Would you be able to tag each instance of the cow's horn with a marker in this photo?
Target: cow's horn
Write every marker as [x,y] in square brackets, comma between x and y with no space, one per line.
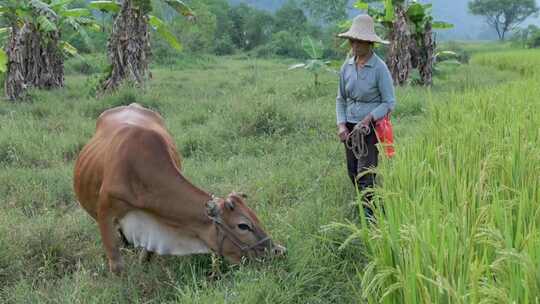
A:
[230,204]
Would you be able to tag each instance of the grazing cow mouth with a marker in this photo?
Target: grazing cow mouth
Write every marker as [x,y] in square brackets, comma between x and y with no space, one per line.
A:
[260,247]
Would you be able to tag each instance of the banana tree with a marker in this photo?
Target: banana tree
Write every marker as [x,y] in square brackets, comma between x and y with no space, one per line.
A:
[409,27]
[392,15]
[315,65]
[423,42]
[34,49]
[128,47]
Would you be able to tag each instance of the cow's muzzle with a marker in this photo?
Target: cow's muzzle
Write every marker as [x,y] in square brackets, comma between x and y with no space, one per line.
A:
[279,251]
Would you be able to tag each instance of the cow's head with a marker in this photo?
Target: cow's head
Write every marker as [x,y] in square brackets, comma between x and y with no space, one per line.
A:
[239,232]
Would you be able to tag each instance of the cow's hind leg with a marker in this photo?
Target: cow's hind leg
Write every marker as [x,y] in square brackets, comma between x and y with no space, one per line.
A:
[106,215]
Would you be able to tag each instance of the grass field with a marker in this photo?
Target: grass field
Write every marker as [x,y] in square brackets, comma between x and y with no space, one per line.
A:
[461,196]
[525,62]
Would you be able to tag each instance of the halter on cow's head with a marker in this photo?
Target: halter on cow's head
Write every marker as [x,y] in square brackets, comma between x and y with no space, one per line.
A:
[239,232]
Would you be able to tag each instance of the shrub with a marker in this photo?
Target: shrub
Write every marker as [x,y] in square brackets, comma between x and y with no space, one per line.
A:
[534,37]
[461,54]
[86,64]
[224,46]
[268,119]
[265,51]
[94,42]
[286,44]
[163,53]
[528,37]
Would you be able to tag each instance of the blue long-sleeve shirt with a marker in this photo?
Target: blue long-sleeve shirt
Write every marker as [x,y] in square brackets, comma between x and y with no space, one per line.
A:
[364,91]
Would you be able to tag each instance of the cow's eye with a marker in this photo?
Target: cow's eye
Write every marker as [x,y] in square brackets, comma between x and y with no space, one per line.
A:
[244,227]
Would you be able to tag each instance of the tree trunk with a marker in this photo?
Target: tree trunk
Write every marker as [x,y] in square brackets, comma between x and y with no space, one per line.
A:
[399,57]
[427,58]
[44,59]
[34,59]
[15,85]
[128,47]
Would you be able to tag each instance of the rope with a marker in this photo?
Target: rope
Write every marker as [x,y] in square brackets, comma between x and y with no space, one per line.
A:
[225,232]
[356,141]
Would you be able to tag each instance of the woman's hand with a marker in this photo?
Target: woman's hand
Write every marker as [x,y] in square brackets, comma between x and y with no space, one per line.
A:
[365,122]
[343,132]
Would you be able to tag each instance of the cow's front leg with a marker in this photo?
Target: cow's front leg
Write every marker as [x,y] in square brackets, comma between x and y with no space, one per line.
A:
[109,235]
[216,267]
[145,256]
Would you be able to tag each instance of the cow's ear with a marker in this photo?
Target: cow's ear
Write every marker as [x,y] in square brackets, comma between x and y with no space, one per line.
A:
[240,195]
[212,208]
[229,204]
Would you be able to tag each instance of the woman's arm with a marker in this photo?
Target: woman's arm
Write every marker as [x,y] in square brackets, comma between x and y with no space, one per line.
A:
[386,89]
[341,108]
[341,105]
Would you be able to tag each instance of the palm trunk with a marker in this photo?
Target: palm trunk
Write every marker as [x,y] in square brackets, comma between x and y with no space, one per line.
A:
[128,47]
[33,60]
[399,57]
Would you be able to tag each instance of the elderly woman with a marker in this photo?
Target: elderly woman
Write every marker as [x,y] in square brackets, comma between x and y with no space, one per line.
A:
[365,95]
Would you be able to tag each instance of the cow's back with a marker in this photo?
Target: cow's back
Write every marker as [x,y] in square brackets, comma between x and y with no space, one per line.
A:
[114,128]
[133,114]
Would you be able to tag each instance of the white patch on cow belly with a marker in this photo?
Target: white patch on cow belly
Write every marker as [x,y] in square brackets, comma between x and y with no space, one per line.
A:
[144,230]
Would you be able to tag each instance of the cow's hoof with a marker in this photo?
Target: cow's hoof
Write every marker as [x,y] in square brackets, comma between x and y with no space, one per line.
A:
[116,267]
[214,275]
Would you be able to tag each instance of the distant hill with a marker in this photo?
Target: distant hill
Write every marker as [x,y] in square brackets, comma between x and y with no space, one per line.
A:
[467,26]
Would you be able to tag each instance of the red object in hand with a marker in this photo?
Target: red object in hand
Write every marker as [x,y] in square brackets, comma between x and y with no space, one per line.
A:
[385,134]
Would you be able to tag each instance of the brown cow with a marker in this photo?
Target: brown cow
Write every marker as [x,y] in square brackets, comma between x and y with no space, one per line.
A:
[128,179]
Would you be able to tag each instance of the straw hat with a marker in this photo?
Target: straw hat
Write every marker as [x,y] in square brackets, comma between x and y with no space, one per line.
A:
[363,28]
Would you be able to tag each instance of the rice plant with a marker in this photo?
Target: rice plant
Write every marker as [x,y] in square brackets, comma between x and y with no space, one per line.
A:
[461,201]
